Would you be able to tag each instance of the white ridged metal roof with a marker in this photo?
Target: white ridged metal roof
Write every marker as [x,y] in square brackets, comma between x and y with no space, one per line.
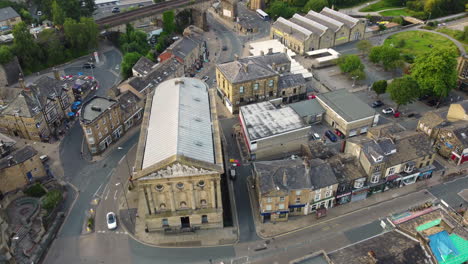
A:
[180,122]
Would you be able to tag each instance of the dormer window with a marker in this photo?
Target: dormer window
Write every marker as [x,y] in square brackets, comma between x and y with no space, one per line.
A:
[376,158]
[409,167]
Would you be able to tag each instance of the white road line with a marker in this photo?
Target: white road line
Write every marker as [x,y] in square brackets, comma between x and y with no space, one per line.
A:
[108,191]
[97,190]
[120,161]
[115,194]
[110,173]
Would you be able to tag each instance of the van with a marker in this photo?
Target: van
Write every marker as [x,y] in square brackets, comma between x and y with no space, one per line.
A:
[232,173]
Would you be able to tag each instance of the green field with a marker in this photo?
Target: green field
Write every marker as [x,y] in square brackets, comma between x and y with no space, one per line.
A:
[397,12]
[381,5]
[417,42]
[456,34]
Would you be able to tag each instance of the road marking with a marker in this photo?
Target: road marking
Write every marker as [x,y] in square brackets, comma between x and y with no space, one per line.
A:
[117,184]
[110,173]
[115,194]
[107,194]
[120,161]
[105,188]
[97,190]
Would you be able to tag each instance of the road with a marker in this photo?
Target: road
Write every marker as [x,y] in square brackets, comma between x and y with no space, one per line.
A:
[104,10]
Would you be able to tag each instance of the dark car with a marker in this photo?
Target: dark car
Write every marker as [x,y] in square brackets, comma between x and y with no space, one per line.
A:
[89,65]
[377,103]
[331,136]
[141,5]
[115,10]
[432,102]
[225,48]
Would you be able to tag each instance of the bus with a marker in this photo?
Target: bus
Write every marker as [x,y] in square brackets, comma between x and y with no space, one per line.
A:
[262,14]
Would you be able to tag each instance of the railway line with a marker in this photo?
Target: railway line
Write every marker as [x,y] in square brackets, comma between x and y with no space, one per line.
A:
[125,17]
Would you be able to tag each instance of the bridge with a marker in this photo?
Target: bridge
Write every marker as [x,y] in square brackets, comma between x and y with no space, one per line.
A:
[118,21]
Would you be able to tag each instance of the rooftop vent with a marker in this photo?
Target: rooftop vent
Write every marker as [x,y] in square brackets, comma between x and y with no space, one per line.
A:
[196,99]
[198,143]
[197,119]
[96,108]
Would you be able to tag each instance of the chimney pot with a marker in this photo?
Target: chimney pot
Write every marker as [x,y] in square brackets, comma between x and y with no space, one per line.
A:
[56,74]
[285,179]
[236,57]
[262,53]
[270,51]
[285,50]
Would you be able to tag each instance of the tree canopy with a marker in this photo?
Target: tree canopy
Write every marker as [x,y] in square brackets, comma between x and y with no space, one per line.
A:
[128,61]
[388,56]
[168,21]
[24,46]
[379,87]
[81,35]
[435,72]
[279,8]
[5,54]
[315,5]
[403,90]
[58,16]
[352,65]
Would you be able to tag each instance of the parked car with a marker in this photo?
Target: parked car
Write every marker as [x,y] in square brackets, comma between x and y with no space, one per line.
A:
[111,221]
[316,136]
[205,78]
[377,103]
[39,13]
[88,65]
[232,173]
[141,5]
[44,158]
[331,136]
[339,133]
[225,48]
[388,111]
[115,10]
[396,114]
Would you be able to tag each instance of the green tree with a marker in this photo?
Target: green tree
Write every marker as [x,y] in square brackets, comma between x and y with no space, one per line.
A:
[379,87]
[161,44]
[388,56]
[128,61]
[279,8]
[58,16]
[24,46]
[134,40]
[364,46]
[352,65]
[168,21]
[81,36]
[51,200]
[53,48]
[5,54]
[87,8]
[315,5]
[403,90]
[26,16]
[436,71]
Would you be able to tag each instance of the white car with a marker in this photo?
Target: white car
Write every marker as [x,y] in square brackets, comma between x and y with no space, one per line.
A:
[316,136]
[388,110]
[111,221]
[39,13]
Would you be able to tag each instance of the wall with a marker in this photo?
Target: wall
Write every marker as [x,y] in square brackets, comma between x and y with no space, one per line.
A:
[24,127]
[282,145]
[341,36]
[15,177]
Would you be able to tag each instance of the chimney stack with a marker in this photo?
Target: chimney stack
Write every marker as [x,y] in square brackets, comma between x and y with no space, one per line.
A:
[246,67]
[372,257]
[236,57]
[270,51]
[56,74]
[21,82]
[285,50]
[273,66]
[262,53]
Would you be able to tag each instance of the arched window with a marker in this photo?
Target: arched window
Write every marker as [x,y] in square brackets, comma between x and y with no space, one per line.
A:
[162,206]
[159,187]
[183,204]
[180,185]
[201,183]
[203,202]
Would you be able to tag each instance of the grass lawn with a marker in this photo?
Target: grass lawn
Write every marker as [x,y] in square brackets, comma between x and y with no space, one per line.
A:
[456,34]
[381,5]
[397,12]
[417,42]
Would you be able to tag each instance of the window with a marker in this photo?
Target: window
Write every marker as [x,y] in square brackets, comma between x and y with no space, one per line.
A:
[99,135]
[409,167]
[89,131]
[203,202]
[281,206]
[241,89]
[104,121]
[299,209]
[317,196]
[204,219]
[271,83]
[391,171]
[294,90]
[328,193]
[330,187]
[269,200]
[282,216]
[91,140]
[375,179]
[106,130]
[255,86]
[428,162]
[298,192]
[377,168]
[183,204]
[359,183]
[165,222]
[241,99]
[298,199]
[291,210]
[283,93]
[110,116]
[162,206]
[282,199]
[180,185]
[270,93]
[159,187]
[268,207]
[201,183]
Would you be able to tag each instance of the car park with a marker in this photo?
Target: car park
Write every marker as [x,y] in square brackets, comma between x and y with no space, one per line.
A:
[388,111]
[377,103]
[331,136]
[115,10]
[111,221]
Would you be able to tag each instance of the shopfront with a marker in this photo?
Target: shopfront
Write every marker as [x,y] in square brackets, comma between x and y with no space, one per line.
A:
[376,188]
[359,194]
[275,216]
[298,209]
[426,172]
[343,198]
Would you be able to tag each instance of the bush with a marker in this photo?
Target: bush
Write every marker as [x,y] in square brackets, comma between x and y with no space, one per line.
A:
[409,58]
[35,191]
[51,200]
[400,44]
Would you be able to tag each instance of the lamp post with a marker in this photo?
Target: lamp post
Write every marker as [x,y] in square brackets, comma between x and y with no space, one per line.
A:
[354,80]
[123,189]
[92,65]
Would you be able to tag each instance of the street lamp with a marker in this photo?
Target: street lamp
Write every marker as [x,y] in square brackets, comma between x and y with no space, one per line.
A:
[354,80]
[123,189]
[92,66]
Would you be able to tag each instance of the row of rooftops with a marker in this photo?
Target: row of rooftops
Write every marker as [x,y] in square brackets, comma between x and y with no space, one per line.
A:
[153,74]
[315,23]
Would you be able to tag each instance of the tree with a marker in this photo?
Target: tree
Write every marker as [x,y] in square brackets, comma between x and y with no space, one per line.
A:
[315,5]
[58,16]
[398,20]
[436,71]
[134,40]
[5,54]
[128,61]
[87,8]
[52,47]
[352,65]
[26,16]
[379,87]
[81,35]
[279,8]
[403,90]
[388,56]
[24,46]
[168,21]
[364,46]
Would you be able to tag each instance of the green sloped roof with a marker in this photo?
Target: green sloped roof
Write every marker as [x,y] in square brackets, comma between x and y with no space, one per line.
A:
[428,225]
[462,245]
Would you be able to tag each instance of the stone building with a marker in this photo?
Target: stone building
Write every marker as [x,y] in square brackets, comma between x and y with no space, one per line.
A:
[293,187]
[20,168]
[131,109]
[292,88]
[9,18]
[187,50]
[250,79]
[179,159]
[347,113]
[462,70]
[228,9]
[142,67]
[317,31]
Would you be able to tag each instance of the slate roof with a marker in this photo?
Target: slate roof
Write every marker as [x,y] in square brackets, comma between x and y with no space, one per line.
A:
[311,25]
[385,130]
[12,71]
[184,46]
[290,80]
[412,146]
[346,169]
[292,29]
[7,13]
[307,108]
[373,149]
[24,105]
[389,248]
[347,105]
[17,157]
[157,75]
[281,175]
[88,114]
[128,102]
[462,134]
[324,20]
[252,68]
[321,174]
[47,88]
[343,18]
[143,65]
[433,119]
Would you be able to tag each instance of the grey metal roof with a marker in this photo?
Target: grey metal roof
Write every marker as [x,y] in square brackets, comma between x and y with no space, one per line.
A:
[179,122]
[321,174]
[143,65]
[93,108]
[347,105]
[252,68]
[307,108]
[7,13]
[292,29]
[18,156]
[311,25]
[264,119]
[324,20]
[345,19]
[290,80]
[184,46]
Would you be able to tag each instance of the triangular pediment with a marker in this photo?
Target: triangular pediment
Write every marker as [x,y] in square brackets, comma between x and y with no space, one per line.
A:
[178,169]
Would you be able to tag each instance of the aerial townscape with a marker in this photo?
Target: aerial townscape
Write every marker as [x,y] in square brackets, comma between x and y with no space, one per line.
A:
[234,131]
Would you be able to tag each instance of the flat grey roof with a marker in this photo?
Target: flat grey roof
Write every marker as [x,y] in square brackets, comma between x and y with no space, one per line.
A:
[347,105]
[307,108]
[88,114]
[264,120]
